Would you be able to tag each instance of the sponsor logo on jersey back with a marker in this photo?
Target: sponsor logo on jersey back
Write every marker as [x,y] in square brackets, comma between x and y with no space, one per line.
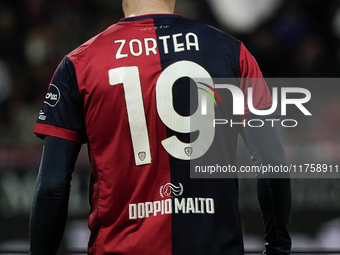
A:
[170,190]
[171,203]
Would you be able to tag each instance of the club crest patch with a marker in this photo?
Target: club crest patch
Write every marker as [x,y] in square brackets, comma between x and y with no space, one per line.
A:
[188,151]
[142,155]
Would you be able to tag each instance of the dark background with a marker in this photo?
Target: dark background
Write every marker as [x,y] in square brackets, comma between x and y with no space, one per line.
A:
[299,39]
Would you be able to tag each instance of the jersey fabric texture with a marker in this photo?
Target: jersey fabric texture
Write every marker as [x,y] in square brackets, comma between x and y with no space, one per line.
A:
[104,93]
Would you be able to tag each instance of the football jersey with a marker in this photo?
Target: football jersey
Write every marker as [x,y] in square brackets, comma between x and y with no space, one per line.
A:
[127,93]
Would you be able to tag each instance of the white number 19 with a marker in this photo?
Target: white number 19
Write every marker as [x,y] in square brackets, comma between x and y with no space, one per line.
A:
[130,78]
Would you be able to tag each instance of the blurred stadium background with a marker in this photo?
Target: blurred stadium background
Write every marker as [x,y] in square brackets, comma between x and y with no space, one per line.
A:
[289,38]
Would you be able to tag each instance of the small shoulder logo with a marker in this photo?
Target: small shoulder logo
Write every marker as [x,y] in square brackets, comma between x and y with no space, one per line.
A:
[142,155]
[41,115]
[188,151]
[52,96]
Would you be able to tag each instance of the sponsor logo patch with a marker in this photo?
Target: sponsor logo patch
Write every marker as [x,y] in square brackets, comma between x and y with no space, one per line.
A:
[170,190]
[52,96]
[41,115]
[171,203]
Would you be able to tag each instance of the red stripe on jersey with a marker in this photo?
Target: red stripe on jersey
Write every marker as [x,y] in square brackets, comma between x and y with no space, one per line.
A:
[43,130]
[251,76]
[120,185]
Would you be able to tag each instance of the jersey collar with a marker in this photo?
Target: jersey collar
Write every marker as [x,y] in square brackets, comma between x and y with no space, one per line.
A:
[149,16]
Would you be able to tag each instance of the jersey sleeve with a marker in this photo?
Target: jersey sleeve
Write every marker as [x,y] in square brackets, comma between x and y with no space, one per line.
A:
[251,76]
[62,112]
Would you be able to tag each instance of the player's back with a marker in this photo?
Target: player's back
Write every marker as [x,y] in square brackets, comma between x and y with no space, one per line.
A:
[135,106]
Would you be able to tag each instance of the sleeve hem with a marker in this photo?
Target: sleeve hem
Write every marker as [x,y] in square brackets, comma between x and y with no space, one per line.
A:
[43,130]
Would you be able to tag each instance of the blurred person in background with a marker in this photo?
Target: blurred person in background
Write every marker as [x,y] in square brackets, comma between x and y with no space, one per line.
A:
[117,92]
[9,57]
[5,92]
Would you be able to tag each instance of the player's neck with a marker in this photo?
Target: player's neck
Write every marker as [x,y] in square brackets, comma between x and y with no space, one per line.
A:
[151,8]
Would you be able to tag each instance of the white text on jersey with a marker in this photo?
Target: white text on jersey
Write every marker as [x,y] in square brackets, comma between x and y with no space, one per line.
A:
[169,206]
[149,46]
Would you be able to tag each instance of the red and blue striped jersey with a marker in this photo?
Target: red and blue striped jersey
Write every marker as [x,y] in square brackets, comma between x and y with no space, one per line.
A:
[125,92]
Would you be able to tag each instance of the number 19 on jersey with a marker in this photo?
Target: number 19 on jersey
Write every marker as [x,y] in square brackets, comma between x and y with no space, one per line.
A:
[129,76]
